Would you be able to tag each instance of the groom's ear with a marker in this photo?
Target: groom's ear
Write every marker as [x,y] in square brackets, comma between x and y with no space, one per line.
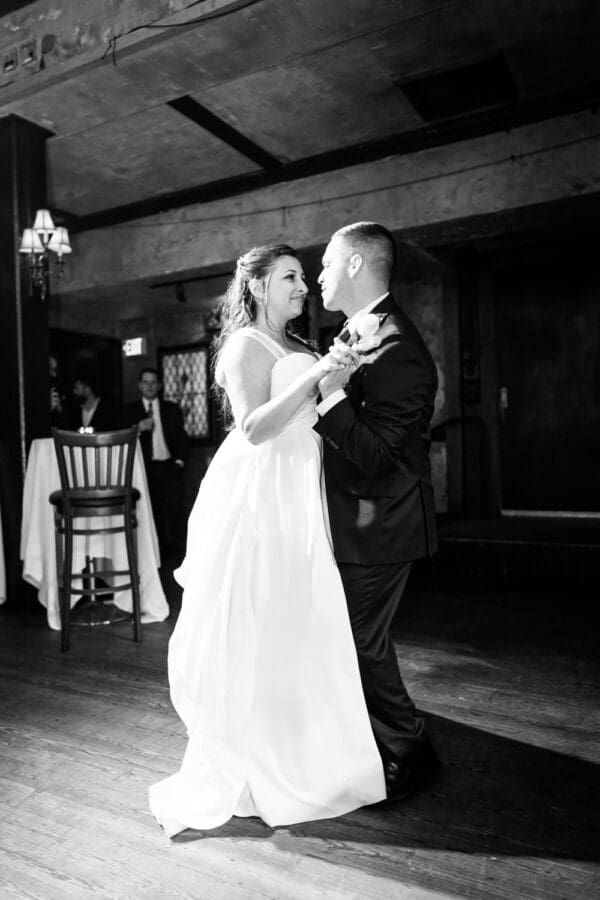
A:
[355,264]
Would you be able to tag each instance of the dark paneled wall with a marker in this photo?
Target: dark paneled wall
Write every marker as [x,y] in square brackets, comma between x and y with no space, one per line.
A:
[24,382]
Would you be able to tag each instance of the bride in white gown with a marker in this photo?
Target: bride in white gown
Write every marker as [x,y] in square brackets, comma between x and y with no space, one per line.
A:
[262,665]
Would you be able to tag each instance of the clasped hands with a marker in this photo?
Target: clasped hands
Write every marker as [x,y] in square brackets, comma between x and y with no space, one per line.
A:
[338,365]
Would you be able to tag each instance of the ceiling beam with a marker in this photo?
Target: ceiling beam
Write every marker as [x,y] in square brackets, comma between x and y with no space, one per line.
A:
[207,120]
[478,124]
[100,43]
[209,276]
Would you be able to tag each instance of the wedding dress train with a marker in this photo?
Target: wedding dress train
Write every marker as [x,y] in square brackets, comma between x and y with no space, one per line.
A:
[262,664]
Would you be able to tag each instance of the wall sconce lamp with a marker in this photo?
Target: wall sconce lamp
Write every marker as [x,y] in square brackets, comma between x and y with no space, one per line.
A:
[37,242]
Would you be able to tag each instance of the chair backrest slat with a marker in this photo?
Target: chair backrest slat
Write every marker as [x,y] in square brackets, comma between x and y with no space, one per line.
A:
[73,467]
[120,465]
[86,474]
[109,469]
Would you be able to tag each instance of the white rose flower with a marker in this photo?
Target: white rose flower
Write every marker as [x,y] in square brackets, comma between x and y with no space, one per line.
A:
[369,324]
[368,339]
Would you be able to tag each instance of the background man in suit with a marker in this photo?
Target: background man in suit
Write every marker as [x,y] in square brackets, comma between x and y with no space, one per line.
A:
[89,409]
[377,474]
[165,447]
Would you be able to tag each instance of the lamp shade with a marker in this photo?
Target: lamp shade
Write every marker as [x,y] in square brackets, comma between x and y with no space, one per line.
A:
[59,242]
[30,242]
[43,222]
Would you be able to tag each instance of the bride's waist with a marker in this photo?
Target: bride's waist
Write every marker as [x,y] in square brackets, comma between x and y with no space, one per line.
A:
[305,419]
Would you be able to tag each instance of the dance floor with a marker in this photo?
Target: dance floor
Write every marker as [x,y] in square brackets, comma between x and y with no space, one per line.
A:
[508,681]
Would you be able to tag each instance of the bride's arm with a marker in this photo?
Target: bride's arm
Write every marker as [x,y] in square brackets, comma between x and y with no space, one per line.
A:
[247,367]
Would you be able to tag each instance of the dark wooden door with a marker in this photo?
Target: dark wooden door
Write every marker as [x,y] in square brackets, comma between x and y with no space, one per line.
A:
[548,346]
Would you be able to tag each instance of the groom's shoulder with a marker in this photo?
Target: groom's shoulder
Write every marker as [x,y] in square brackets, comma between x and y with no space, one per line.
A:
[401,341]
[394,331]
[399,323]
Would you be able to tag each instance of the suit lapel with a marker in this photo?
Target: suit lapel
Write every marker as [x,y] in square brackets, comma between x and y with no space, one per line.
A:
[388,305]
[145,437]
[164,415]
[383,309]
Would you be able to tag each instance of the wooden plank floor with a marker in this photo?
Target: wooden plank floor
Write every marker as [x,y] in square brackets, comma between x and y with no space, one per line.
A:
[510,686]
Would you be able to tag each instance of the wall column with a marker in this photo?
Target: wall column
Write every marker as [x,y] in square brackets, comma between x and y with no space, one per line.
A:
[24,380]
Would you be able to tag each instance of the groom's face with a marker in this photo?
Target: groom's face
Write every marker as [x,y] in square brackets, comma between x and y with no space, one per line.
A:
[335,278]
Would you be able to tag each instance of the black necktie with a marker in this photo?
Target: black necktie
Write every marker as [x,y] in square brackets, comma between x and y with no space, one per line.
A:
[343,333]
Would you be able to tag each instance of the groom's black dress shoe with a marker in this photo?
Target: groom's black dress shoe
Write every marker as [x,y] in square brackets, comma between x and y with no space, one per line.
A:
[405,777]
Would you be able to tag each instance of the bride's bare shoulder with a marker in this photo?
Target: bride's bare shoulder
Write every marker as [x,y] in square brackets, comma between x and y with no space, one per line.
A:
[244,341]
[243,351]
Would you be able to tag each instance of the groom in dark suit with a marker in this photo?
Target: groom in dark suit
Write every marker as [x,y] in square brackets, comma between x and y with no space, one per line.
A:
[164,446]
[376,442]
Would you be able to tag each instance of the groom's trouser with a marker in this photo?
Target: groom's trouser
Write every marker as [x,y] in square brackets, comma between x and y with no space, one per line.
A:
[373,594]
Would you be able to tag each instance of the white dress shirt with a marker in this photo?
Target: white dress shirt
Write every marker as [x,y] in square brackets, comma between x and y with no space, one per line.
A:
[88,414]
[352,324]
[160,451]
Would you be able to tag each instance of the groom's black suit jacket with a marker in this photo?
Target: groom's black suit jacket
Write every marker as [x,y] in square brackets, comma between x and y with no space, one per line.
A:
[376,452]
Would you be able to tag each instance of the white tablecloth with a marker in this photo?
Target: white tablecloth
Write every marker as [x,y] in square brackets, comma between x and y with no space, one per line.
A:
[38,540]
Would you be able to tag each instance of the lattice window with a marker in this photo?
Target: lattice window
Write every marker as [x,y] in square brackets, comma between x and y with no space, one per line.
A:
[185,381]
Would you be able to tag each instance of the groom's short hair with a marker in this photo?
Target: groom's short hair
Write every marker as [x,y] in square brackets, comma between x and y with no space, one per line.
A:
[374,243]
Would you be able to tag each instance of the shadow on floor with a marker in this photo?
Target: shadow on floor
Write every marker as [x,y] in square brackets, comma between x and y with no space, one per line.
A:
[496,796]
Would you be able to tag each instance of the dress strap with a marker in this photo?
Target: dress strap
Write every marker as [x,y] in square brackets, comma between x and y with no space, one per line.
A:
[248,331]
[264,339]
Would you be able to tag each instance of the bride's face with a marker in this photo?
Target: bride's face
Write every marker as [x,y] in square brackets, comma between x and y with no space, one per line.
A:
[286,290]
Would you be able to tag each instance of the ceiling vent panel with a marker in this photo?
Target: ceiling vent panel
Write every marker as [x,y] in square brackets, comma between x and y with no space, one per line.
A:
[463,90]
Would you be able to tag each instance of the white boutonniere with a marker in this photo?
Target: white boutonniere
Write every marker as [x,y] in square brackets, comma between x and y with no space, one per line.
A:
[365,339]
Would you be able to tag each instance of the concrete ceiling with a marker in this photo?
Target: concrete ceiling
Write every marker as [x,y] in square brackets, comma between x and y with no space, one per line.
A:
[297,79]
[295,82]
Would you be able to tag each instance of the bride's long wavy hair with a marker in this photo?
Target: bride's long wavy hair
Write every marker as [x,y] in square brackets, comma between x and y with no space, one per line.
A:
[238,306]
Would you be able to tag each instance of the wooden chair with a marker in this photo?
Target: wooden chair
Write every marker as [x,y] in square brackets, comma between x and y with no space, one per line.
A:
[96,473]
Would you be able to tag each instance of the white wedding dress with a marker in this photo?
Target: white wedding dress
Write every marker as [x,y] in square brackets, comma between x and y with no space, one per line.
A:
[262,664]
